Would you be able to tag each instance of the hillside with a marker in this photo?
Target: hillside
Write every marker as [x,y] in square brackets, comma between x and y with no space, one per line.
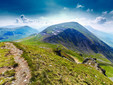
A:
[87,46]
[75,37]
[55,29]
[14,33]
[55,56]
[48,67]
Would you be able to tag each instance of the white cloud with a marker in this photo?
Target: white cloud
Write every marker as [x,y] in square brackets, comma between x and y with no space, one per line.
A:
[89,10]
[111,12]
[104,13]
[100,20]
[24,19]
[99,23]
[65,8]
[79,6]
[106,27]
[17,20]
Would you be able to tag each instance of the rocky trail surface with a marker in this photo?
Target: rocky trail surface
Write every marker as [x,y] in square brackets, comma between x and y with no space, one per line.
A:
[22,75]
[2,70]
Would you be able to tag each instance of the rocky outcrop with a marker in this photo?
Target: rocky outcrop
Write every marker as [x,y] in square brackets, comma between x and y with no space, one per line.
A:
[92,62]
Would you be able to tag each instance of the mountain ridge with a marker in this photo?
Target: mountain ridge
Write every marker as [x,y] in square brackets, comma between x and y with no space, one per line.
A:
[96,44]
[15,33]
[48,57]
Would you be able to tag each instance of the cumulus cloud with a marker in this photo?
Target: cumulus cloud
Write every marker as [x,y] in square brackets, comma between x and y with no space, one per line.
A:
[100,20]
[23,19]
[79,6]
[89,10]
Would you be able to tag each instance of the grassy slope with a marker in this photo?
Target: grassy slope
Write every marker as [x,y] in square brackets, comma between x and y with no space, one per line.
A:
[102,60]
[6,61]
[104,63]
[49,68]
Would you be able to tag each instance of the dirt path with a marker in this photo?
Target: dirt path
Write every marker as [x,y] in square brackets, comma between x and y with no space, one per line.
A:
[2,70]
[22,71]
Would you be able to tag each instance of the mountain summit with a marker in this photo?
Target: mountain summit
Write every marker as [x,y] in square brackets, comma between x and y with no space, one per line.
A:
[76,37]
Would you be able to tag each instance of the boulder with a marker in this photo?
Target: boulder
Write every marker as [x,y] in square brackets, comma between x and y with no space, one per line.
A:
[92,62]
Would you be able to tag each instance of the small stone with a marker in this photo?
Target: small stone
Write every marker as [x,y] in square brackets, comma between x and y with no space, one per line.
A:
[50,65]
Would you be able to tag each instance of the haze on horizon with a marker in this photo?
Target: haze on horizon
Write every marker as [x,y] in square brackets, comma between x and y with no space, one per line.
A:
[41,13]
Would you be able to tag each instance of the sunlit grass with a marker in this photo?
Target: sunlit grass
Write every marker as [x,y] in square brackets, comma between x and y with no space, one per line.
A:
[49,68]
[6,59]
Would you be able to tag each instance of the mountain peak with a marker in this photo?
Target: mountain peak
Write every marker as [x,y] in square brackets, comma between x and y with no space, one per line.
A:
[74,36]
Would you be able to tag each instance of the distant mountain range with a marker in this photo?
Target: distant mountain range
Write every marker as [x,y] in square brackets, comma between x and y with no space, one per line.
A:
[10,33]
[106,37]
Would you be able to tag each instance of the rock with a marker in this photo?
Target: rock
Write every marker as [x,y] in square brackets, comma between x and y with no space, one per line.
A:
[92,62]
[58,51]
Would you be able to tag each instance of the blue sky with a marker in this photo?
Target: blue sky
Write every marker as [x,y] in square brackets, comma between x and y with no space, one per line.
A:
[32,7]
[96,13]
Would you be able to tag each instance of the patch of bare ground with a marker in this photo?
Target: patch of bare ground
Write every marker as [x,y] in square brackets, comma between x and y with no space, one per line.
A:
[2,70]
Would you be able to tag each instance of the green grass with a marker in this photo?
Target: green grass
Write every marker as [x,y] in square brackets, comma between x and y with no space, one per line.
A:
[109,69]
[7,77]
[6,59]
[49,68]
[9,73]
[101,59]
[103,62]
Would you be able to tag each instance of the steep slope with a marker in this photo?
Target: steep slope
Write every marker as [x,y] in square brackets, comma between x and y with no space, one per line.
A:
[55,29]
[80,40]
[14,33]
[76,37]
[71,39]
[50,68]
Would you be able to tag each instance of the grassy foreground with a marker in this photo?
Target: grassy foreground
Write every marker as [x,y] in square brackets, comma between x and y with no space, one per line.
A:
[6,62]
[47,67]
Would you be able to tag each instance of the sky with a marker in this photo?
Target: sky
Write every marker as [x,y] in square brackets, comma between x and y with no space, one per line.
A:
[42,13]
